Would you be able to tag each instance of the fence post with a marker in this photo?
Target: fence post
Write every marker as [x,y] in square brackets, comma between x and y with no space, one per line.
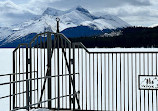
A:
[73,77]
[30,72]
[10,92]
[58,71]
[70,75]
[27,82]
[13,80]
[49,45]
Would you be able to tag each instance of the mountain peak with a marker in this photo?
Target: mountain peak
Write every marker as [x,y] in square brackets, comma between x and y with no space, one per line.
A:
[81,9]
[52,11]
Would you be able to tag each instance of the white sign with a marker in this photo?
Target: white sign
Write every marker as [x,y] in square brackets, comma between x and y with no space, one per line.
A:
[147,82]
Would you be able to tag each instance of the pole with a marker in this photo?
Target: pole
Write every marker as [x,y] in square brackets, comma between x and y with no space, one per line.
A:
[49,44]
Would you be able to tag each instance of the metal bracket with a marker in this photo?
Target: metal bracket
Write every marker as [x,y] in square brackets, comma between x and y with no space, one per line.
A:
[29,61]
[71,61]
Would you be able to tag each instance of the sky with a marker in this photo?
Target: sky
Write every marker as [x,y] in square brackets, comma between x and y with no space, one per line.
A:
[134,12]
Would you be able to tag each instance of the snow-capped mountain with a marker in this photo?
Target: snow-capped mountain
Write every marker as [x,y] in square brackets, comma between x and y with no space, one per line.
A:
[75,22]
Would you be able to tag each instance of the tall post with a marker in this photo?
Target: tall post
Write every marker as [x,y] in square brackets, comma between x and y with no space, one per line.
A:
[30,63]
[57,31]
[58,74]
[49,45]
[69,75]
[10,93]
[74,77]
[13,80]
[27,81]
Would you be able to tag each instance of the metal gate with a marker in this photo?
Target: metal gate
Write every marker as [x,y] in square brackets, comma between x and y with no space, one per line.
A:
[49,81]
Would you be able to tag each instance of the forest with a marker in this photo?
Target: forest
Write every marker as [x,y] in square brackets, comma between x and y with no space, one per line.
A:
[130,37]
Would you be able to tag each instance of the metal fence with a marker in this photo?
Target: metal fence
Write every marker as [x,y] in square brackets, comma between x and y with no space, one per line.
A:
[109,80]
[61,75]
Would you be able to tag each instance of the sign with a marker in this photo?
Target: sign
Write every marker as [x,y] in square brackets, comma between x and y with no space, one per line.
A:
[148,82]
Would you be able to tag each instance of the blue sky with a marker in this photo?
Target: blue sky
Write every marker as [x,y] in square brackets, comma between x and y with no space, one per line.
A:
[134,12]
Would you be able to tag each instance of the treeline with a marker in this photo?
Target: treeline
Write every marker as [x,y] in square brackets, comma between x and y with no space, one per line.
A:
[130,37]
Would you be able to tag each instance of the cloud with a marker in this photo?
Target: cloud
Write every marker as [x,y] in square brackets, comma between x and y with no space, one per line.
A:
[38,6]
[134,15]
[93,5]
[9,7]
[11,13]
[135,12]
[129,10]
[141,20]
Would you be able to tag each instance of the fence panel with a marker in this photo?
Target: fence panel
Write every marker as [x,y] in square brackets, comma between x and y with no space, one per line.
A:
[110,80]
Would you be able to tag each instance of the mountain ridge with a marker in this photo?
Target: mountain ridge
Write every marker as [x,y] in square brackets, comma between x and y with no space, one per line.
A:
[74,19]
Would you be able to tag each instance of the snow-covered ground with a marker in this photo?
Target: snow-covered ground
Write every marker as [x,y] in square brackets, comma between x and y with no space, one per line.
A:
[5,67]
[142,68]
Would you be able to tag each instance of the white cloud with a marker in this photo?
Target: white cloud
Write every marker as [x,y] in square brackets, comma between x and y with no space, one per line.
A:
[134,15]
[11,13]
[38,6]
[135,12]
[9,7]
[154,2]
[140,20]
